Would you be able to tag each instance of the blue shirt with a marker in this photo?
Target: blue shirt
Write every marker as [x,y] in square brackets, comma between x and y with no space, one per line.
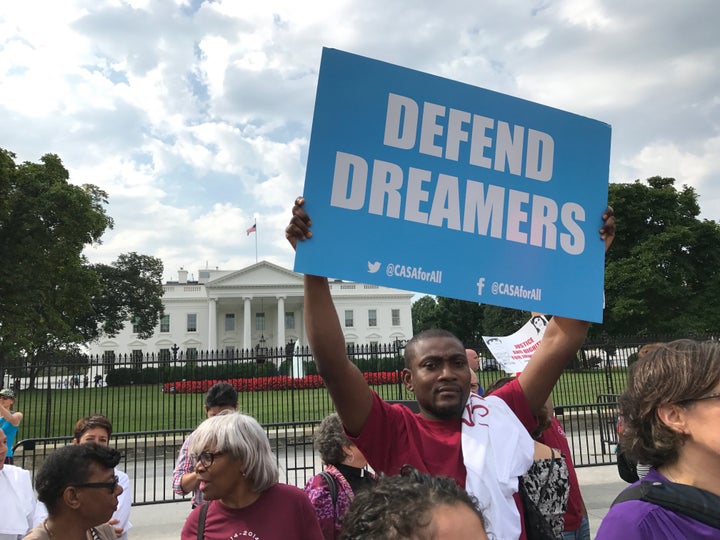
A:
[10,432]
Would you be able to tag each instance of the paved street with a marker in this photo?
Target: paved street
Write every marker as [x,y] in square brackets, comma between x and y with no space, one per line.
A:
[599,485]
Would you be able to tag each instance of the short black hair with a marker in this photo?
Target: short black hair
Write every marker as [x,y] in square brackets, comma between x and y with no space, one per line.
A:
[68,466]
[221,394]
[401,506]
[427,334]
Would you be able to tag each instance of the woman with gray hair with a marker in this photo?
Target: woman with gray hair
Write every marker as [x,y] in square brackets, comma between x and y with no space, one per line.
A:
[671,410]
[343,476]
[238,475]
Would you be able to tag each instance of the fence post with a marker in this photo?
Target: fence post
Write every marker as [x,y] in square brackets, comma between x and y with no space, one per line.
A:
[48,408]
[399,345]
[174,350]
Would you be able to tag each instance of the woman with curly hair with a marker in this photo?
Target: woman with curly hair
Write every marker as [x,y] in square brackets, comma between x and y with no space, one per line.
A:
[344,475]
[671,410]
[414,505]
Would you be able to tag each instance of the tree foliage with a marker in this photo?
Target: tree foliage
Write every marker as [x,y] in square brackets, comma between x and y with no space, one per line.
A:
[51,298]
[663,270]
[502,321]
[462,318]
[424,314]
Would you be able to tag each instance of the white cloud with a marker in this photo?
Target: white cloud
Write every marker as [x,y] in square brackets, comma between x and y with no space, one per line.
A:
[195,116]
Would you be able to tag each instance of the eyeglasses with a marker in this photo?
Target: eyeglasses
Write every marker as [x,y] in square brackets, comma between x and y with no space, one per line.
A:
[207,458]
[714,395]
[108,485]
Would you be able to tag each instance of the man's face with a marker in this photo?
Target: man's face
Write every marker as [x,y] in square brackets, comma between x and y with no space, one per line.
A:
[7,402]
[473,359]
[474,382]
[439,377]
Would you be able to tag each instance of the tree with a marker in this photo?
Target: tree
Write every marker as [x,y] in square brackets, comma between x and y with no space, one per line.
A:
[502,321]
[131,290]
[462,318]
[51,298]
[663,270]
[424,314]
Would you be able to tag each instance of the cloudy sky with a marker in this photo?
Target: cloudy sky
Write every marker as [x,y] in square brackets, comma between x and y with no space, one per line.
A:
[195,115]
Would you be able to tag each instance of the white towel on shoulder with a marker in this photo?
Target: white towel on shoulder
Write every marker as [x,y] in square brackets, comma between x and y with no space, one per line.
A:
[497,449]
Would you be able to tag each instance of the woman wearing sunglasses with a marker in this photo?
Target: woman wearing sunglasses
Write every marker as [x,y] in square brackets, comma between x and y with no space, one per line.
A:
[671,411]
[77,484]
[238,475]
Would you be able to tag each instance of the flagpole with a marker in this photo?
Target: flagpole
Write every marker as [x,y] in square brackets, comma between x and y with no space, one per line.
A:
[256,235]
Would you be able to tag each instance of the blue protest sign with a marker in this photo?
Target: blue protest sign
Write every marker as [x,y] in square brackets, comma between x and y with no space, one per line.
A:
[430,185]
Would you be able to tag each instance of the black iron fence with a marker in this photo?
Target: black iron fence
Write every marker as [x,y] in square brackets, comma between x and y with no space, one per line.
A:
[154,402]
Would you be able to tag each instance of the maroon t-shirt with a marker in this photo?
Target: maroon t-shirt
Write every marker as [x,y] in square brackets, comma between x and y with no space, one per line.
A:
[282,511]
[394,436]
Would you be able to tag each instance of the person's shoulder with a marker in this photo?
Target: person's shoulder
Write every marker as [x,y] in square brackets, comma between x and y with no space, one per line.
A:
[637,520]
[288,489]
[37,533]
[105,532]
[16,473]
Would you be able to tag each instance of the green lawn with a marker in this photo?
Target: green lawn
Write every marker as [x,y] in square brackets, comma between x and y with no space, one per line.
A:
[53,413]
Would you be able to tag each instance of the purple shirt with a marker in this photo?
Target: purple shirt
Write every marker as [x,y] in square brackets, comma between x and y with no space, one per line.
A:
[640,520]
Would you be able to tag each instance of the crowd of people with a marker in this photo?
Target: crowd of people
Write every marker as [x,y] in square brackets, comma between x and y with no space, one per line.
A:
[471,464]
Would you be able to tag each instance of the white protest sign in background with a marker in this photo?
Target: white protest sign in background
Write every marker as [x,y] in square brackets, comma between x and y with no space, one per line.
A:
[513,352]
[425,184]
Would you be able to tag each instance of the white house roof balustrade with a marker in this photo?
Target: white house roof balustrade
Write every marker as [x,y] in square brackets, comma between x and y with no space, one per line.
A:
[235,309]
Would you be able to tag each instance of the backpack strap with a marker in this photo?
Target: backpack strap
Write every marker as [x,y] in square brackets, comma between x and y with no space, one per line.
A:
[330,479]
[201,521]
[699,504]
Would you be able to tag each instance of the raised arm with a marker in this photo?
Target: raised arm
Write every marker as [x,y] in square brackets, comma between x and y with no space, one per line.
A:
[347,386]
[561,342]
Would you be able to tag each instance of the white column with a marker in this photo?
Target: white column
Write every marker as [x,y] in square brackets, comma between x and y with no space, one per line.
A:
[281,321]
[212,324]
[247,321]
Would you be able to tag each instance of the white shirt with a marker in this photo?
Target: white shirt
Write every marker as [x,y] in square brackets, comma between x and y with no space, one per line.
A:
[17,500]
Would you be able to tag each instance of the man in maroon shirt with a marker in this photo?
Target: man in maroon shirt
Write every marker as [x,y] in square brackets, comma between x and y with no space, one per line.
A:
[436,371]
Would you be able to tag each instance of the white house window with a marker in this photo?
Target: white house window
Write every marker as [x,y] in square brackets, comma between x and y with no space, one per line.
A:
[396,317]
[164,356]
[136,357]
[191,353]
[349,321]
[372,317]
[136,328]
[165,324]
[289,320]
[192,322]
[229,322]
[108,359]
[260,322]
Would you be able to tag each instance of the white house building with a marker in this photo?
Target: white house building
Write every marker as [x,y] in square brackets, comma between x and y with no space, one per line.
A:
[262,305]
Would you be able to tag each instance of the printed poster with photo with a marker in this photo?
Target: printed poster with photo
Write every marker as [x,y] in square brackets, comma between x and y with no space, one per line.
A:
[514,351]
[430,185]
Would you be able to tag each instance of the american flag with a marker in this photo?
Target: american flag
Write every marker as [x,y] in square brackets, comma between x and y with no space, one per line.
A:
[252,229]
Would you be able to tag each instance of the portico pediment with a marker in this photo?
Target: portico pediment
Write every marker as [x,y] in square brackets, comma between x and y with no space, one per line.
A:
[260,275]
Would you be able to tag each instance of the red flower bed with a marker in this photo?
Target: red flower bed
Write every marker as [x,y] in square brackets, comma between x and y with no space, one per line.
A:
[280,382]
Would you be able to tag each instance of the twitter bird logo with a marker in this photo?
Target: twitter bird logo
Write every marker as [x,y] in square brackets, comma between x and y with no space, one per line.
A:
[373,267]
